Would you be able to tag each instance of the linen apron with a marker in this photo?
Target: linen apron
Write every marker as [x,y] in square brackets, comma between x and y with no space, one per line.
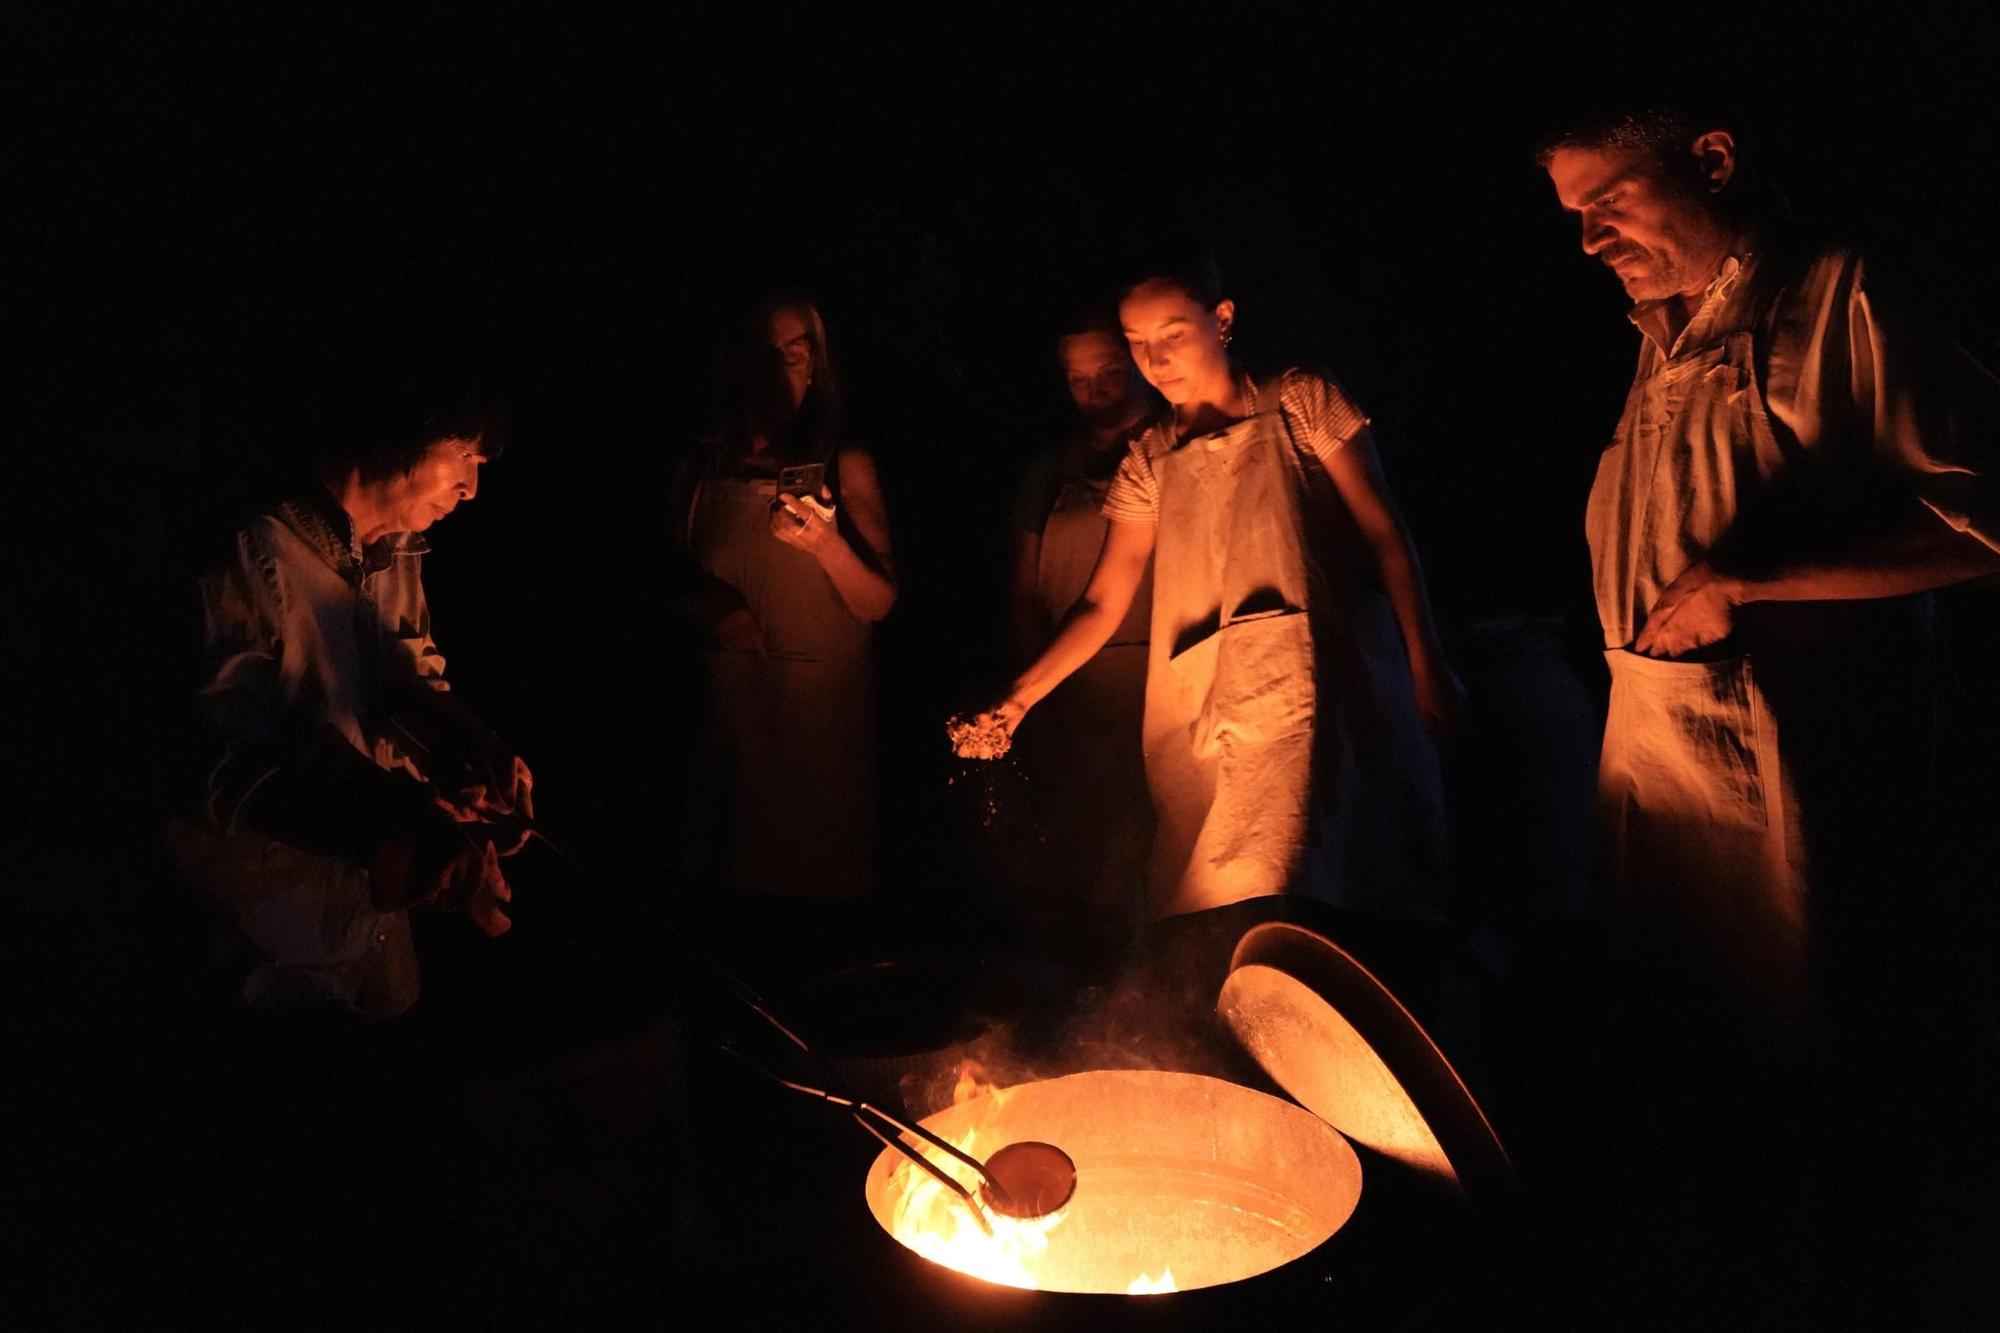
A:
[1700,824]
[1282,743]
[1093,798]
[796,726]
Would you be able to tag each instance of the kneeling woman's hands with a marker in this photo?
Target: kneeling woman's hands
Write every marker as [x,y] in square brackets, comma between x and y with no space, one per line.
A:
[436,861]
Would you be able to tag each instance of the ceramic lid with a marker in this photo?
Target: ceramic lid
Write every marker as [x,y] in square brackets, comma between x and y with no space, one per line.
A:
[1336,1039]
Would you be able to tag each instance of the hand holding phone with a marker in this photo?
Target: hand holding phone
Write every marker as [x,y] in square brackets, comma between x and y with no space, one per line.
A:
[808,520]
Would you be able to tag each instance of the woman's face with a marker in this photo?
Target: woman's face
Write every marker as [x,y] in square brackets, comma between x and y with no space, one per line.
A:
[446,477]
[792,340]
[1177,342]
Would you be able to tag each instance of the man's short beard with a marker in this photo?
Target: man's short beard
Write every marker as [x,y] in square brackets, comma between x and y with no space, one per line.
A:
[1664,274]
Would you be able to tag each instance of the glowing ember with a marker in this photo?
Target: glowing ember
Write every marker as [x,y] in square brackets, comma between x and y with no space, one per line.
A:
[1182,1182]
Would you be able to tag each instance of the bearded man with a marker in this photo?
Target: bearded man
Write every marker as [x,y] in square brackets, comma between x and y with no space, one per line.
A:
[1799,460]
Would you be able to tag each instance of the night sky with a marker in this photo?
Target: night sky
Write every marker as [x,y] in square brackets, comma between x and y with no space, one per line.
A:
[209,211]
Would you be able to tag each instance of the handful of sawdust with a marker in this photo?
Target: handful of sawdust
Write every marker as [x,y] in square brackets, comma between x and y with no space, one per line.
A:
[973,739]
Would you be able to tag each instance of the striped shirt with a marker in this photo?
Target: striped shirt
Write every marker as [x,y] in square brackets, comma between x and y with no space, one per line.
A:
[1320,416]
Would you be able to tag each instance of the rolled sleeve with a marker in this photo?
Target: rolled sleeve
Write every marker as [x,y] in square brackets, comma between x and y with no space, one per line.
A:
[1319,412]
[1932,412]
[1134,496]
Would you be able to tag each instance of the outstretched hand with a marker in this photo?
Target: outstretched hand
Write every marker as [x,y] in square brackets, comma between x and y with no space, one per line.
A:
[987,734]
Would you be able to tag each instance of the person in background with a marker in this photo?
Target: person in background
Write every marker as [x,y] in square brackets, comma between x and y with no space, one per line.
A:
[342,783]
[1090,784]
[785,566]
[1293,665]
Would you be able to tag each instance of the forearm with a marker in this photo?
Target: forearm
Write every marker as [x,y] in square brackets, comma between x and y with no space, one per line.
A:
[1913,559]
[1027,629]
[331,799]
[1403,581]
[868,592]
[448,743]
[1086,629]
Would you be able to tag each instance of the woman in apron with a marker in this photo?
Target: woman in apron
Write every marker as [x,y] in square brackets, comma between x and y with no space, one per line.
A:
[788,566]
[1293,668]
[1094,818]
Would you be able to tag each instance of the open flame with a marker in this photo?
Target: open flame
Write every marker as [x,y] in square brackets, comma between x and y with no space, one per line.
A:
[1183,1182]
[937,1224]
[971,1082]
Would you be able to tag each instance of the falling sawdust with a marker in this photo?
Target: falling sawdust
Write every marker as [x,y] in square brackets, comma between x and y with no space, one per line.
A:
[984,744]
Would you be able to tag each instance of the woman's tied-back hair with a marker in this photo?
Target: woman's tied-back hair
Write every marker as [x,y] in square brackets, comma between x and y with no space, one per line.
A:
[1188,268]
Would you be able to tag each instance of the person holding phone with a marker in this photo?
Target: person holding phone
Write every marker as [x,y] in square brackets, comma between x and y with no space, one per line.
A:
[785,565]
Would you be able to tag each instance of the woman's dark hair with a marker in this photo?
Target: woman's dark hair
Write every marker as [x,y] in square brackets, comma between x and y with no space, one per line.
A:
[1190,270]
[754,396]
[386,422]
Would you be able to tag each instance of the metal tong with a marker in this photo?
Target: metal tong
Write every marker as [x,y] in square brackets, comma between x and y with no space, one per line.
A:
[873,1118]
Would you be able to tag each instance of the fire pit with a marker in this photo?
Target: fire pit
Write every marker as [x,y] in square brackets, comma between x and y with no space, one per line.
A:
[1183,1181]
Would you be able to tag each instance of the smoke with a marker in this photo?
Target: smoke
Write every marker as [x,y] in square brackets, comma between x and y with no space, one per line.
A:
[1156,1011]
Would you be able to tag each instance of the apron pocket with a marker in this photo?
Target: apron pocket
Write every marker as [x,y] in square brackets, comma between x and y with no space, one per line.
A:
[1263,689]
[1690,739]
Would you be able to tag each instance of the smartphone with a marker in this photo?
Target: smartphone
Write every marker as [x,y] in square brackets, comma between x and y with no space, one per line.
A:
[802,479]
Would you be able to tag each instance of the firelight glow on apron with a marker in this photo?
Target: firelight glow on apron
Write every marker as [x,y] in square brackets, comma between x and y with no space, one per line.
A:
[798,724]
[1282,743]
[1701,832]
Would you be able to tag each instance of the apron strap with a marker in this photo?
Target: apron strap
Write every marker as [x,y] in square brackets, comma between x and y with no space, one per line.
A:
[1270,398]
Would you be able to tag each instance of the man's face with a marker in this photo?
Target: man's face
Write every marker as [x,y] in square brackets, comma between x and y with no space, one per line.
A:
[1100,378]
[793,342]
[1656,229]
[447,476]
[1176,342]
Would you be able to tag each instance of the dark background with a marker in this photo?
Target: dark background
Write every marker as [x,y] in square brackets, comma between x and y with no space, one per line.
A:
[215,209]
[211,210]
